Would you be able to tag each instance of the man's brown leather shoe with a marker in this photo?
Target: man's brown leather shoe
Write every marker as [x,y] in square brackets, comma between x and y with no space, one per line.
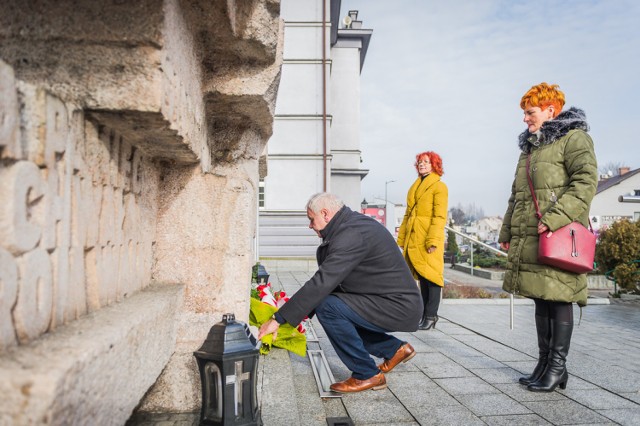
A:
[376,382]
[403,354]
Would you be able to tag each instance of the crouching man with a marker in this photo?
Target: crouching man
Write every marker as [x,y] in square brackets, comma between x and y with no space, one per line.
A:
[362,290]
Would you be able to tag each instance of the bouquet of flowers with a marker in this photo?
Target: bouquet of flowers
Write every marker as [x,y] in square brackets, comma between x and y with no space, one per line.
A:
[264,303]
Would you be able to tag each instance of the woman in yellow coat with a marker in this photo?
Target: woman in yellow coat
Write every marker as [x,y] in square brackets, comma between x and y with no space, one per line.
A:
[421,235]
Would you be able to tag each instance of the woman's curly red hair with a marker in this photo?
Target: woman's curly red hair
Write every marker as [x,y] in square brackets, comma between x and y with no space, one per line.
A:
[436,162]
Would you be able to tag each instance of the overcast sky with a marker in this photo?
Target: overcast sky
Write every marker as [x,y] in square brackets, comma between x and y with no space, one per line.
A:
[448,76]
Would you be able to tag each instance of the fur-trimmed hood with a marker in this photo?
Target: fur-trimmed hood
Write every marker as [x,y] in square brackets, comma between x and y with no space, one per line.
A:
[552,130]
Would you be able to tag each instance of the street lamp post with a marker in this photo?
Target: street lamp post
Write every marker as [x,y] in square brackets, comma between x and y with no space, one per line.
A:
[385,193]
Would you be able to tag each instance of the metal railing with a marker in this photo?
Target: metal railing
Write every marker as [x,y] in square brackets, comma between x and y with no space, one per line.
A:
[474,241]
[491,249]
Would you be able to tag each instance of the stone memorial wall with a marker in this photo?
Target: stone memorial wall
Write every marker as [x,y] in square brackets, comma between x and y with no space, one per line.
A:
[77,217]
[131,136]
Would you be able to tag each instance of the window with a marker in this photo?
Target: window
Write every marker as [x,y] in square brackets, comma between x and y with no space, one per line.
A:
[636,192]
[261,194]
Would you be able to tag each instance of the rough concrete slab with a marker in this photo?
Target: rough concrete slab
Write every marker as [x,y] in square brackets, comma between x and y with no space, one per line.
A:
[465,385]
[278,401]
[432,396]
[598,399]
[497,375]
[476,362]
[623,416]
[516,419]
[443,370]
[492,404]
[429,414]
[375,407]
[310,406]
[565,412]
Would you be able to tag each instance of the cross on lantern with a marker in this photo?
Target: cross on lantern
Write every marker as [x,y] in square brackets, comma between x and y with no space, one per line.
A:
[237,380]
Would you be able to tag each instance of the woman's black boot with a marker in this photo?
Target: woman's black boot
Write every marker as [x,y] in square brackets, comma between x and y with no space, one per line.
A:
[424,292]
[556,372]
[429,323]
[423,321]
[544,334]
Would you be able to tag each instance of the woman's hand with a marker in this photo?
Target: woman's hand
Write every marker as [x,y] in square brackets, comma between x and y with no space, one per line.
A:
[431,249]
[542,228]
[269,327]
[505,246]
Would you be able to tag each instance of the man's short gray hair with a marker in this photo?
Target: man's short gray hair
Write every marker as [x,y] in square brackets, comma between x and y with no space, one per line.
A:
[324,200]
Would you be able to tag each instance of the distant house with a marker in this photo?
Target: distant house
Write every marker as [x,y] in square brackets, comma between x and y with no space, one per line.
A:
[488,228]
[605,208]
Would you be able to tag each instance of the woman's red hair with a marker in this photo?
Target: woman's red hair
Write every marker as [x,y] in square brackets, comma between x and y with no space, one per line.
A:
[543,95]
[436,161]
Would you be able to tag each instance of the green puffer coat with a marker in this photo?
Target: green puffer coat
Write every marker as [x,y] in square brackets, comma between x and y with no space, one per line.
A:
[565,176]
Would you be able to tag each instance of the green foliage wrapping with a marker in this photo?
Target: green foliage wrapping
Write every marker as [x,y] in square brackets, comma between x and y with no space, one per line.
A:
[617,248]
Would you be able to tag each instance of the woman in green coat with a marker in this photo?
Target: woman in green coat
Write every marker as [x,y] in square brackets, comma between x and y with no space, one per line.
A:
[563,171]
[421,235]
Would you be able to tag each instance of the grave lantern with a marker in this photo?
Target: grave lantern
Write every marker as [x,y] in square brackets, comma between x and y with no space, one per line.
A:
[228,364]
[262,276]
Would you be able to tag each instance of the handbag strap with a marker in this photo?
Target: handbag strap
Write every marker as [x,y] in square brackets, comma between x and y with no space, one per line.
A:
[533,194]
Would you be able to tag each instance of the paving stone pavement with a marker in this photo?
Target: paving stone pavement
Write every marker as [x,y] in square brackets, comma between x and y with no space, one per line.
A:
[465,373]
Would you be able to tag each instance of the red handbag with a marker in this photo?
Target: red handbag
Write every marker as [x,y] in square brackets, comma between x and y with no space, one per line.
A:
[571,248]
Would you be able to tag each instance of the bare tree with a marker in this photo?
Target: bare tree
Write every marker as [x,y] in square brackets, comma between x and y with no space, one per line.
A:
[457,214]
[474,212]
[465,214]
[612,168]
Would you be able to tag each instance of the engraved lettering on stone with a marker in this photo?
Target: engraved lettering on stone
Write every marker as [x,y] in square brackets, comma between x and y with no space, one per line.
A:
[53,206]
[32,313]
[9,114]
[77,305]
[20,216]
[57,132]
[60,283]
[8,295]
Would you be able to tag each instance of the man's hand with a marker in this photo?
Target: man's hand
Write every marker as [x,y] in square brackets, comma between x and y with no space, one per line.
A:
[269,327]
[505,246]
[431,249]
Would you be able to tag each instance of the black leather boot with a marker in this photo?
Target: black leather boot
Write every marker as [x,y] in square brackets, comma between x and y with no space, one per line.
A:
[430,322]
[544,334]
[423,321]
[556,372]
[424,292]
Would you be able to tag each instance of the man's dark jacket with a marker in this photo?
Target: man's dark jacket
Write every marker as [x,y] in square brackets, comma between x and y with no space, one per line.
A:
[360,262]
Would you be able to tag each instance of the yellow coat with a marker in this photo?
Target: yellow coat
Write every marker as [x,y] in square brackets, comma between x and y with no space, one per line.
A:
[423,227]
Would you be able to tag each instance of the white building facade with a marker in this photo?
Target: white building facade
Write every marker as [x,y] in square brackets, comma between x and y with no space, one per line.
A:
[315,145]
[606,208]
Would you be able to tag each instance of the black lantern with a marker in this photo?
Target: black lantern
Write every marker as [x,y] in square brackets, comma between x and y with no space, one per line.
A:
[262,276]
[363,205]
[228,364]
